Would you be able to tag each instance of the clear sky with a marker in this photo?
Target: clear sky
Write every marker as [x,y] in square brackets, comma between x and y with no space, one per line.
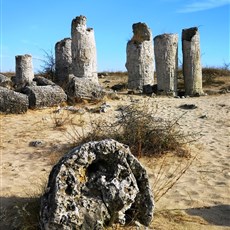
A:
[32,26]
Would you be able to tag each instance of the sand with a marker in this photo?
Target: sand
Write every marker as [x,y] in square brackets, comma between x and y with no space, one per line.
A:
[199,200]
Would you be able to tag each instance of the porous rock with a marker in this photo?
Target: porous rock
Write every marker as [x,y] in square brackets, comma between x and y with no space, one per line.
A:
[95,185]
[83,88]
[13,102]
[44,96]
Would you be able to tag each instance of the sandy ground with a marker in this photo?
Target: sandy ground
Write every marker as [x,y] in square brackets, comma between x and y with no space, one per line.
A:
[200,199]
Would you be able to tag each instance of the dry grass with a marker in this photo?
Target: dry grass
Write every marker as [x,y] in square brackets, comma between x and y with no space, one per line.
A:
[139,127]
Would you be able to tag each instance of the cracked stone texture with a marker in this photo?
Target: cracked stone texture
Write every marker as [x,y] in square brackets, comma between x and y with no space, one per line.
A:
[95,185]
[140,57]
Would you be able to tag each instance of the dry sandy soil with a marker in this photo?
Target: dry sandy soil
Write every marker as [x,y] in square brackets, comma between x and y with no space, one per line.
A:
[199,200]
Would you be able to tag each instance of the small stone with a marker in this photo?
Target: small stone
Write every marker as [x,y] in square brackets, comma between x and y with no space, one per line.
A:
[37,143]
[188,106]
[203,116]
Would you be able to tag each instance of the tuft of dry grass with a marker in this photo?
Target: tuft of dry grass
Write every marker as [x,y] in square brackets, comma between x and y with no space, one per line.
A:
[141,129]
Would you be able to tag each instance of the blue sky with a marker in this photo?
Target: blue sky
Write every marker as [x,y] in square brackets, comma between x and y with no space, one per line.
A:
[34,26]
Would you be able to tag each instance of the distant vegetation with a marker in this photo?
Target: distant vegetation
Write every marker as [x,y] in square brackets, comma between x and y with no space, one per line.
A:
[48,69]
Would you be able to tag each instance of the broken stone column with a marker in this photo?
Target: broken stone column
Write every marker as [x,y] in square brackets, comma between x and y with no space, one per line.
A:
[140,55]
[166,59]
[192,68]
[44,96]
[84,58]
[95,185]
[24,70]
[63,61]
[13,102]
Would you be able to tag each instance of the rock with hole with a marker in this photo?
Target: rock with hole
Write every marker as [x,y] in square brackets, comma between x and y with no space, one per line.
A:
[95,185]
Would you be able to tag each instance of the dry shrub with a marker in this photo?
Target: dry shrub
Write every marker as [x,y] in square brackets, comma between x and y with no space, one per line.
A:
[61,117]
[138,127]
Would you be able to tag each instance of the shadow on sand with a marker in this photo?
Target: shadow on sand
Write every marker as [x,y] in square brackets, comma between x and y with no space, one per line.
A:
[19,212]
[216,215]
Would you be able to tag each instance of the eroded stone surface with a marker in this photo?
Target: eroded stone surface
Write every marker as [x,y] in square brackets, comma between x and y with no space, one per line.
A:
[63,61]
[44,96]
[13,102]
[84,57]
[192,68]
[83,88]
[166,59]
[24,71]
[94,185]
[140,57]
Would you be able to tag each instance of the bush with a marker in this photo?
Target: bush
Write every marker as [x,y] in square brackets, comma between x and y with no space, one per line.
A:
[48,67]
[138,127]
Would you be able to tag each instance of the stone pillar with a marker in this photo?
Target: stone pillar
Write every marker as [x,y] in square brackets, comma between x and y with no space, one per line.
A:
[24,70]
[166,59]
[63,61]
[84,58]
[192,68]
[140,57]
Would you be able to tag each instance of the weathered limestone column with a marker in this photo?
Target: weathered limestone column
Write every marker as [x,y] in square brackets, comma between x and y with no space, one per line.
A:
[166,59]
[192,68]
[24,70]
[84,58]
[63,61]
[140,57]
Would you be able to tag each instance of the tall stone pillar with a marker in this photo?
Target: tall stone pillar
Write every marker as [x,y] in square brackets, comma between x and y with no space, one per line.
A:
[24,70]
[84,58]
[63,61]
[140,57]
[192,68]
[166,59]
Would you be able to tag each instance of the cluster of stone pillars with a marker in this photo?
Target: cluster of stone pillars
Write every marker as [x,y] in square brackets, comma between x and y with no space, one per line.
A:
[76,55]
[140,55]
